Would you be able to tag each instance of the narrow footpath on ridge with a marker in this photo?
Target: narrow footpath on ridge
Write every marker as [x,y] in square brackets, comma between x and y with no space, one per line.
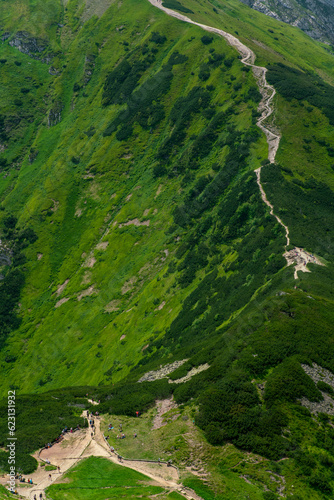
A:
[81,444]
[297,256]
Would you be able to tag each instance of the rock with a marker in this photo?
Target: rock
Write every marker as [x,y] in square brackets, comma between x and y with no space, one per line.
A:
[32,46]
[314,17]
[55,114]
[27,44]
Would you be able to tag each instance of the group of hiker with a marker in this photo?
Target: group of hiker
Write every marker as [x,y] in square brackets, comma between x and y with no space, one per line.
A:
[119,436]
[61,436]
[23,479]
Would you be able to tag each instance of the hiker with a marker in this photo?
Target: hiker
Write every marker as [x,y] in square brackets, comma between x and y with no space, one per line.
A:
[71,430]
[107,437]
[50,477]
[135,435]
[48,461]
[123,436]
[58,468]
[112,449]
[40,495]
[120,427]
[35,498]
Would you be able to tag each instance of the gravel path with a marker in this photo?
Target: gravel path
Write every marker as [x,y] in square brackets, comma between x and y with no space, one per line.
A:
[298,256]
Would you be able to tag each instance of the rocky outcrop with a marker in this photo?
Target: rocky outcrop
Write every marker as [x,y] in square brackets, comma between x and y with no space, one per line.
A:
[55,114]
[314,17]
[28,44]
[89,67]
[319,374]
[162,373]
[5,257]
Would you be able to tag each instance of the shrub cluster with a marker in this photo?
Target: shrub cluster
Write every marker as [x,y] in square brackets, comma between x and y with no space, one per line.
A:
[292,83]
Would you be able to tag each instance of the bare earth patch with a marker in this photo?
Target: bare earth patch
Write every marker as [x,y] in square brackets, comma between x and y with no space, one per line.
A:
[89,262]
[158,191]
[62,301]
[145,269]
[128,285]
[62,287]
[93,191]
[163,406]
[86,293]
[55,205]
[162,305]
[87,277]
[102,245]
[135,222]
[112,306]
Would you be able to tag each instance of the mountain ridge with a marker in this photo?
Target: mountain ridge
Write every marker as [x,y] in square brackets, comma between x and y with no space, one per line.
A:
[140,236]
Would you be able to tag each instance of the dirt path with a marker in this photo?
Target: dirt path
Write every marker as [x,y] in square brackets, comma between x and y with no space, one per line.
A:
[79,445]
[297,257]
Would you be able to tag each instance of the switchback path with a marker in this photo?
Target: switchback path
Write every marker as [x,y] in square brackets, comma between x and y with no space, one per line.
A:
[297,257]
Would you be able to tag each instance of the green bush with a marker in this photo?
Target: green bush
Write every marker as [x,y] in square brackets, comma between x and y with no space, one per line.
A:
[174,4]
[287,382]
[322,386]
[157,38]
[292,83]
[206,39]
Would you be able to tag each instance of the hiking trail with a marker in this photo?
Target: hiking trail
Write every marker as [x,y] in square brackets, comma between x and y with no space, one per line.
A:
[297,256]
[79,445]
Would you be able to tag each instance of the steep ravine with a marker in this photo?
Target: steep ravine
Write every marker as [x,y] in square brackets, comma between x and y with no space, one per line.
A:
[297,256]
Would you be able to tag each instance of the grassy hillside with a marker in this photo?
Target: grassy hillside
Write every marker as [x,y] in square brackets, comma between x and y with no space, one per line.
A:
[133,233]
[95,199]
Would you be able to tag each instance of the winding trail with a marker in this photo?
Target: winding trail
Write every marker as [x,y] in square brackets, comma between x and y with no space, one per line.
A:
[80,445]
[297,257]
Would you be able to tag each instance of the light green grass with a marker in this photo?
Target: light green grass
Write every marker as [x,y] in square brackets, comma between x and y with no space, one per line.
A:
[78,327]
[98,478]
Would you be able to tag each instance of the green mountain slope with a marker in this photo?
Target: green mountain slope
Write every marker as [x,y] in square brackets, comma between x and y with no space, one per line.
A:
[133,232]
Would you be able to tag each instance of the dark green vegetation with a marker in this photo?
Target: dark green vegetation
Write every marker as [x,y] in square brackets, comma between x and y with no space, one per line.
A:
[12,260]
[138,235]
[40,420]
[292,83]
[175,5]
